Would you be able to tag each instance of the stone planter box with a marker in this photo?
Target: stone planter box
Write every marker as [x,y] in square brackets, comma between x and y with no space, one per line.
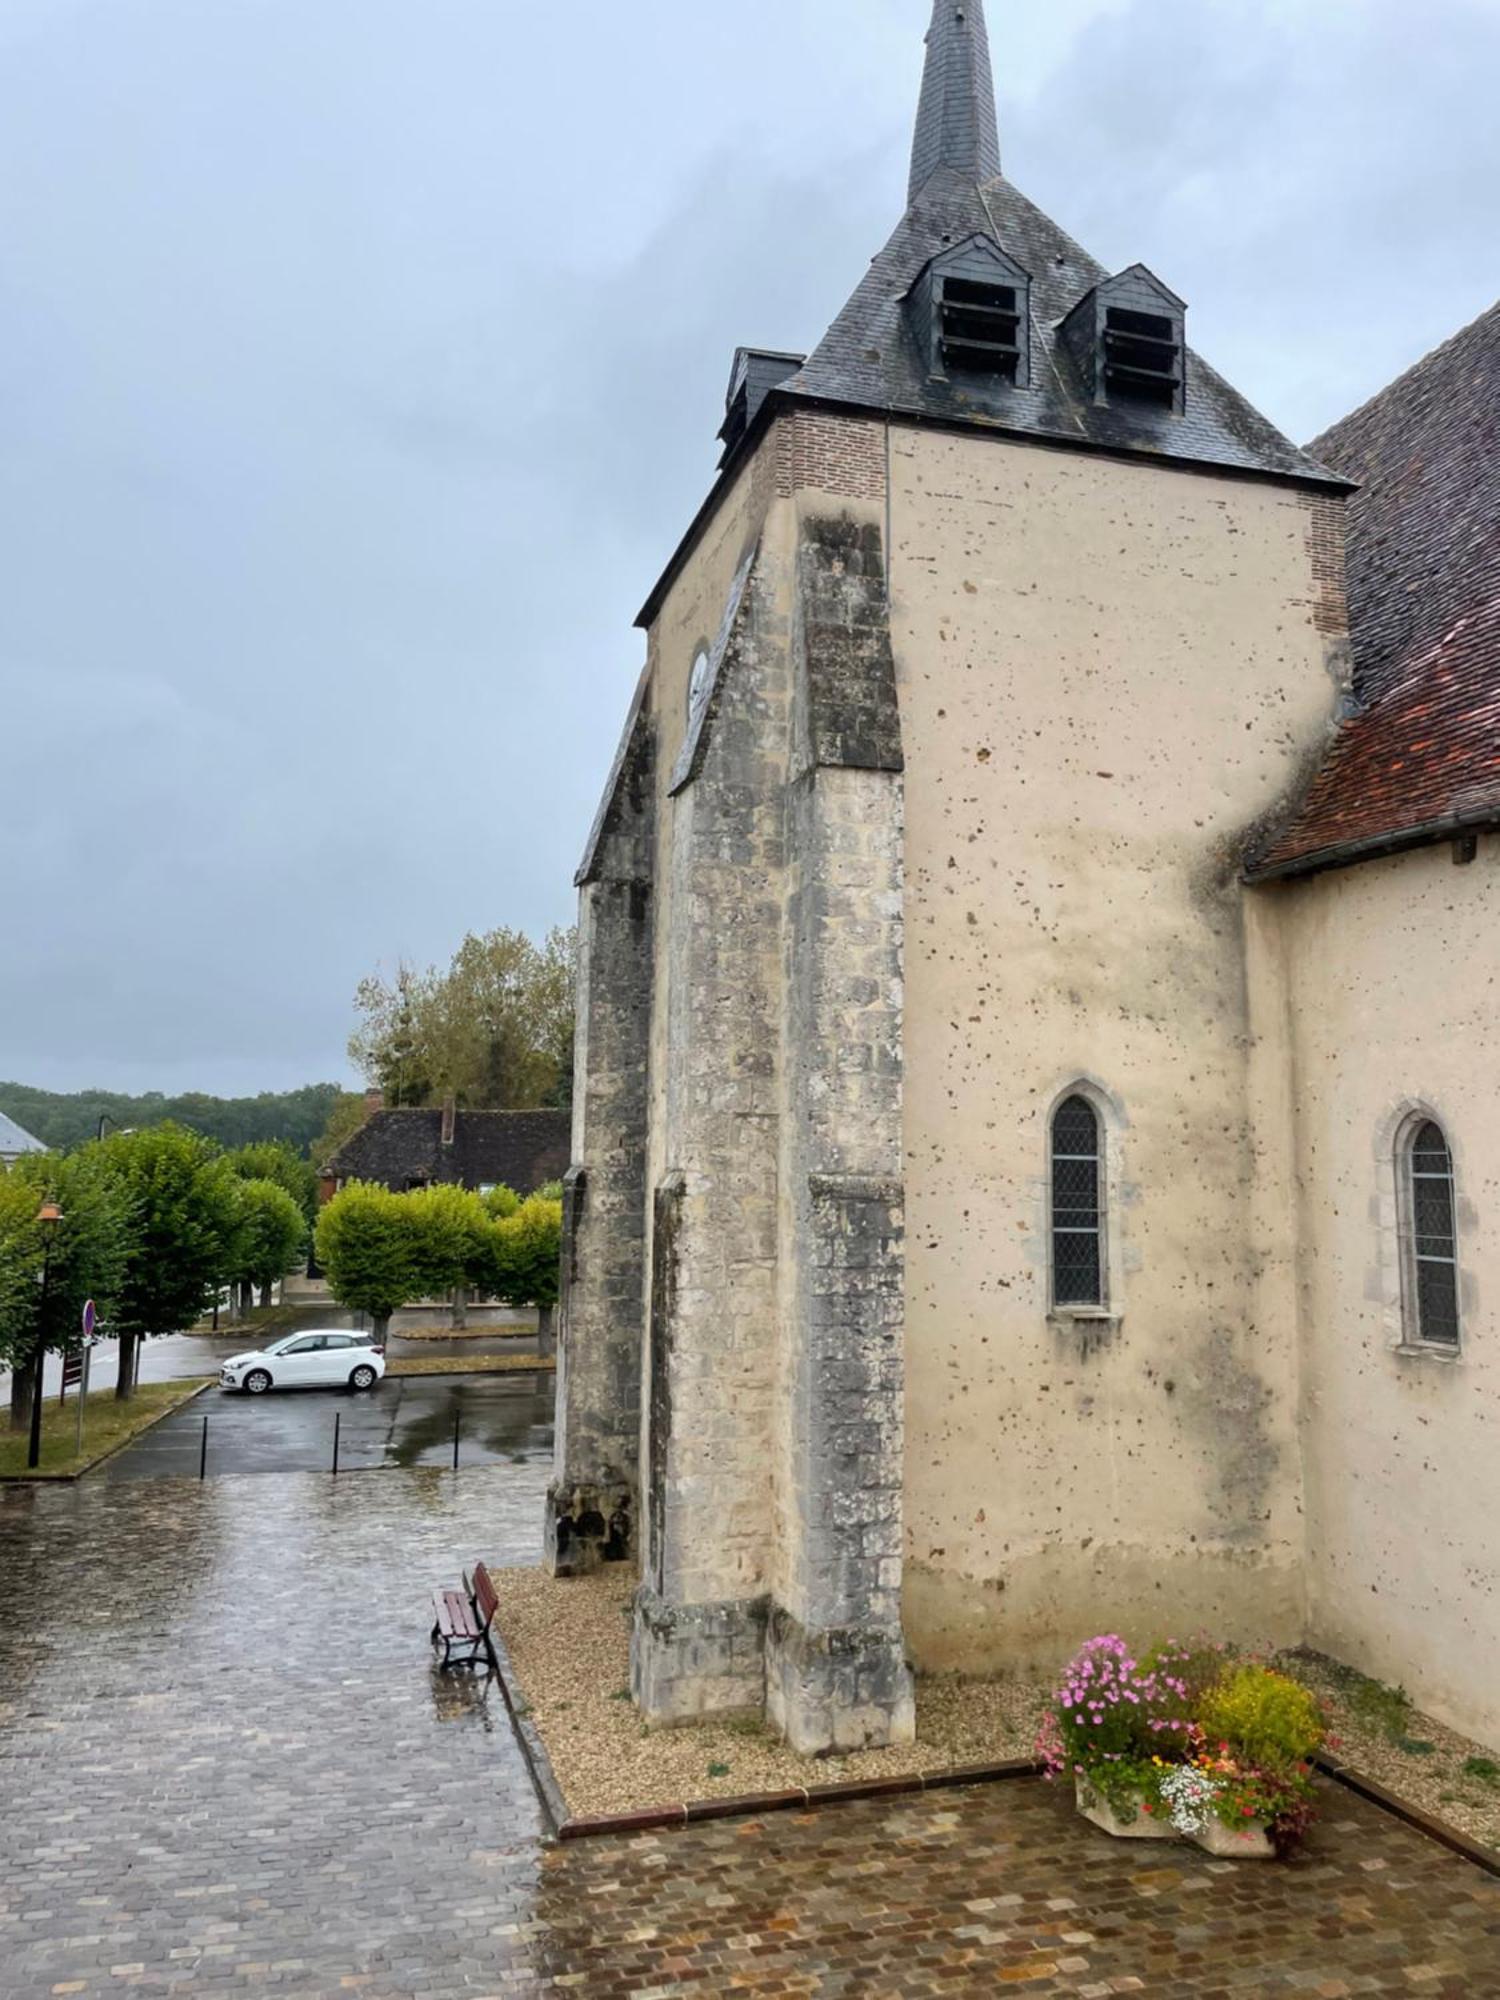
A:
[1099,1812]
[1249,1842]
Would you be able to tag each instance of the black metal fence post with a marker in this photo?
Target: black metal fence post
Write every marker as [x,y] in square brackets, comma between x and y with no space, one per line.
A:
[457,1418]
[203,1452]
[337,1421]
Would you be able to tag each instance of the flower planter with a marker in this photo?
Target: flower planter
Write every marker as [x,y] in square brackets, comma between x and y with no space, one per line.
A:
[1099,1812]
[1250,1842]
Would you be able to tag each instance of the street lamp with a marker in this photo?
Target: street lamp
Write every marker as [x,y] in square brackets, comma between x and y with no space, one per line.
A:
[48,1216]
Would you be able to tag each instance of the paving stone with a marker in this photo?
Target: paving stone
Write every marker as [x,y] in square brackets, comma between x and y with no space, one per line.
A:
[228,1768]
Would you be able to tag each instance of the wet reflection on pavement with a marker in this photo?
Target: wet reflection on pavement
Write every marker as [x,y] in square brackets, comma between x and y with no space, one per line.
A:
[409,1420]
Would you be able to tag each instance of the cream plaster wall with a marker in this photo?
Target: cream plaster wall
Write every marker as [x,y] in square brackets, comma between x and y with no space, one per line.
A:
[1107,671]
[1396,1004]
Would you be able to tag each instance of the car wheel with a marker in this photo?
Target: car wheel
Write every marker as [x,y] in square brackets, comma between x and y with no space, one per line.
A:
[257,1382]
[362,1378]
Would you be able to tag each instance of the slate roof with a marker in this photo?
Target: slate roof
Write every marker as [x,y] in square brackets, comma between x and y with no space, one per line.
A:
[956,122]
[869,358]
[15,1140]
[517,1149]
[1420,758]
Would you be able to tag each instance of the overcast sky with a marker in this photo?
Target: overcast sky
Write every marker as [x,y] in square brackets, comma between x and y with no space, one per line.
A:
[360,362]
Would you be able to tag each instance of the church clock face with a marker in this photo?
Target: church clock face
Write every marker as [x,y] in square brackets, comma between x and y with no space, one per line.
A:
[698,681]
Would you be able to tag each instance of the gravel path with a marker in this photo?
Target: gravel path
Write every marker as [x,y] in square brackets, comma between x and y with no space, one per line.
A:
[570,1643]
[1406,1751]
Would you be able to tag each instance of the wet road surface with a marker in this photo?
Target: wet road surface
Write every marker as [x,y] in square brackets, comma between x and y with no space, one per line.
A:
[228,1769]
[501,1419]
[177,1357]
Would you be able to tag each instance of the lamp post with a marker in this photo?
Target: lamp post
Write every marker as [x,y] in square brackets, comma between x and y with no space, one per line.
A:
[48,1216]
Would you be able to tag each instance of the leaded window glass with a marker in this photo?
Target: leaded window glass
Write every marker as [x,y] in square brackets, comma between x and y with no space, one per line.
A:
[1432,1238]
[1077,1205]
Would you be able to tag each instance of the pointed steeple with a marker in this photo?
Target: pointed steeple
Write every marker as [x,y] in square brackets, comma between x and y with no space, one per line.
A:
[956,122]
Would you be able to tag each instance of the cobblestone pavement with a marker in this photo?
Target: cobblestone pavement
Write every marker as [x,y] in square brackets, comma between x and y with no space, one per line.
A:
[226,1768]
[227,1765]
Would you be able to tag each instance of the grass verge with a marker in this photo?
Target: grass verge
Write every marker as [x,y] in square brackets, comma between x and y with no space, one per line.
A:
[107,1424]
[270,1322]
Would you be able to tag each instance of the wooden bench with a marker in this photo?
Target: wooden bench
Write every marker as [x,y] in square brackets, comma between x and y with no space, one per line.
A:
[463,1620]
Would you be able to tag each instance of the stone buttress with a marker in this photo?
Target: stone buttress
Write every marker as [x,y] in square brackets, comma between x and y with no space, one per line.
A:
[734,1256]
[592,1500]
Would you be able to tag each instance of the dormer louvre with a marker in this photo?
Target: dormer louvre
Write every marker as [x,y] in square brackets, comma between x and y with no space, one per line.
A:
[1127,339]
[970,313]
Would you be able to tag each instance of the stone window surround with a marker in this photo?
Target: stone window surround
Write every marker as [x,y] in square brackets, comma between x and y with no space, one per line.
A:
[1398,1295]
[1106,1317]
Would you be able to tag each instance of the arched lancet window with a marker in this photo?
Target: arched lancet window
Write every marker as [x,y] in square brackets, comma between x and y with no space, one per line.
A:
[698,682]
[1431,1233]
[1077,1204]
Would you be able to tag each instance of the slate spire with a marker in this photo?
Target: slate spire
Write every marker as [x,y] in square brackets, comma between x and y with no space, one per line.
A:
[956,122]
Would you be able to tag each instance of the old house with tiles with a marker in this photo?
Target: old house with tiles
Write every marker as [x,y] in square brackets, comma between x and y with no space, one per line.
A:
[1036,1164]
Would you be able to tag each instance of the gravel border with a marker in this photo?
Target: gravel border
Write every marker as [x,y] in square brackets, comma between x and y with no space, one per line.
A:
[1432,1780]
[568,1647]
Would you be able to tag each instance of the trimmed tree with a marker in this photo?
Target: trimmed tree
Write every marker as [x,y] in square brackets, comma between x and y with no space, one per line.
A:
[272,1237]
[85,1260]
[181,1214]
[525,1261]
[450,1229]
[365,1245]
[275,1160]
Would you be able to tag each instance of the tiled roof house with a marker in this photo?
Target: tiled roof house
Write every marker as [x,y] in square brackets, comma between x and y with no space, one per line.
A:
[1419,758]
[523,1150]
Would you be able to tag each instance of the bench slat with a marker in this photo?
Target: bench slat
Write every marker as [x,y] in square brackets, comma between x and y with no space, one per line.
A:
[454,1618]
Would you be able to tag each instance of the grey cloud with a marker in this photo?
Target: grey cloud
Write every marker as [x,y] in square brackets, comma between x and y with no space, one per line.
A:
[359,369]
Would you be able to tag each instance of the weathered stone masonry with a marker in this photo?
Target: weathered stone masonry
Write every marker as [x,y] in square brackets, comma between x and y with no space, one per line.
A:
[711,1350]
[764,1323]
[836,1665]
[592,1501]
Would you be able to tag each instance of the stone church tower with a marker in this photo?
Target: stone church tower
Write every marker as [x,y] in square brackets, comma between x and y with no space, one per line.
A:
[929,1287]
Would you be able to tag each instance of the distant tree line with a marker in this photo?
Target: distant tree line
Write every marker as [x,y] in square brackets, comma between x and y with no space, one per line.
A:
[292,1117]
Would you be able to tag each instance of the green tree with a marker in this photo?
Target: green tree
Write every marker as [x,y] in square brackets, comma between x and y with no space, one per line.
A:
[20,1273]
[84,1256]
[495,1028]
[450,1244]
[272,1236]
[63,1121]
[525,1261]
[182,1216]
[365,1245]
[275,1160]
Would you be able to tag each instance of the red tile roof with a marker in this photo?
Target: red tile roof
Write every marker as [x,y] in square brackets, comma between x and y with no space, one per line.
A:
[1421,755]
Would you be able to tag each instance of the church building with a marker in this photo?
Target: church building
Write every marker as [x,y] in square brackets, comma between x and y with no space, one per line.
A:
[1036,1163]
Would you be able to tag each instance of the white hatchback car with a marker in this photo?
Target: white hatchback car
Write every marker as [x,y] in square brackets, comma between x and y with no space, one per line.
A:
[333,1358]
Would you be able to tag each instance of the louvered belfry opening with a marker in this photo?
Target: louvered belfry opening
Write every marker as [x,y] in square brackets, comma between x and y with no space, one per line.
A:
[980,328]
[1142,356]
[1077,1205]
[1434,1237]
